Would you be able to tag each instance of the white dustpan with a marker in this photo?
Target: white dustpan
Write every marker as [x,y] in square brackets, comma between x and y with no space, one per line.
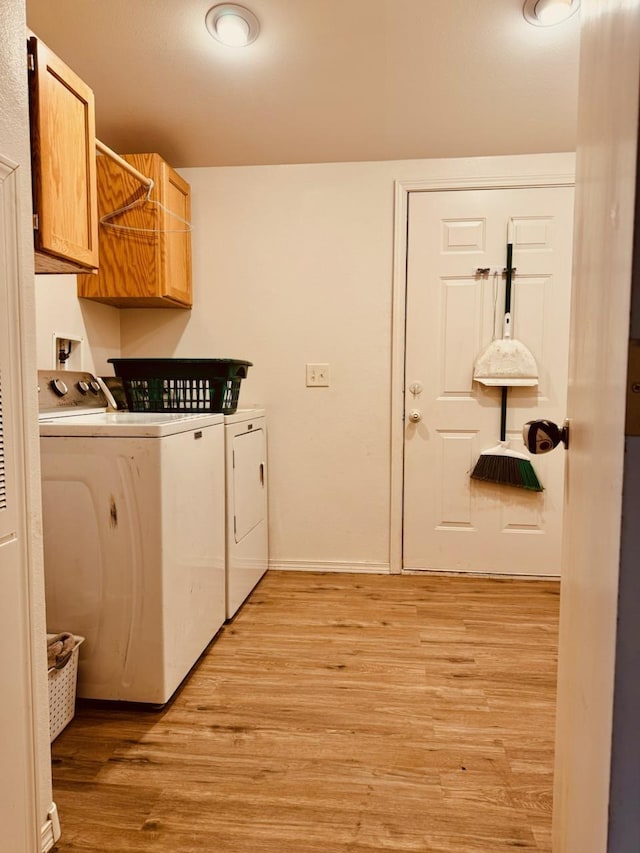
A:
[506,362]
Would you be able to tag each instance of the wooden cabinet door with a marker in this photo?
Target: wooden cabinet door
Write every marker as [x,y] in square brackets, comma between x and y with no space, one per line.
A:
[64,171]
[145,250]
[176,284]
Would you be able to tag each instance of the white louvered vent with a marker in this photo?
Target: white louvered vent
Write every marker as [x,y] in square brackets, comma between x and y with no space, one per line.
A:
[3,481]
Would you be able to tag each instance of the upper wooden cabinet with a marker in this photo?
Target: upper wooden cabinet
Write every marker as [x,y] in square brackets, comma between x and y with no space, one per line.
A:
[146,260]
[63,165]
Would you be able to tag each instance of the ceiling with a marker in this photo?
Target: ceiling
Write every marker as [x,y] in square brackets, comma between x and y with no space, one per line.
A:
[327,80]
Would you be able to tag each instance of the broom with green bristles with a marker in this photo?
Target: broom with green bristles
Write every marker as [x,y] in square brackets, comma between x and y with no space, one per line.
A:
[500,464]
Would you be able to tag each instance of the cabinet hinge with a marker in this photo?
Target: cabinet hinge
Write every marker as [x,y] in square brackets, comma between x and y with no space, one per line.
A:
[36,222]
[31,62]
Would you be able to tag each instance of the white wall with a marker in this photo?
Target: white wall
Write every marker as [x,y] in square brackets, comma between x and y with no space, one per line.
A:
[293,264]
[59,311]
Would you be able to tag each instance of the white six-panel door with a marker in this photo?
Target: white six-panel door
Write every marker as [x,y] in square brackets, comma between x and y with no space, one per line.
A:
[453,523]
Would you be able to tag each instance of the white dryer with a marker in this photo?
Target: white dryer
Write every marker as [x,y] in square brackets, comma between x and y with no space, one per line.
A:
[247,519]
[134,539]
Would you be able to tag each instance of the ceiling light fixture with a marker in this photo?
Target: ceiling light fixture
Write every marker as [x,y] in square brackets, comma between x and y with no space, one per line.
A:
[232,25]
[546,13]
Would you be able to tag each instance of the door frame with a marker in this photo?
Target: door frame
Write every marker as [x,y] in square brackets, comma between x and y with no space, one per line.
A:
[27,792]
[534,179]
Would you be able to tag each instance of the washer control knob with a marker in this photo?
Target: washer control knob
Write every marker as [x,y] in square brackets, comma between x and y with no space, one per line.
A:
[59,387]
[94,385]
[415,416]
[83,386]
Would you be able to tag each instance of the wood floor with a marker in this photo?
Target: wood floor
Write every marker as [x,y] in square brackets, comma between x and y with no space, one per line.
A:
[337,713]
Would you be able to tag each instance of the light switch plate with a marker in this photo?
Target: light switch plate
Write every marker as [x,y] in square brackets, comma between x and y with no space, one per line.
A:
[317,375]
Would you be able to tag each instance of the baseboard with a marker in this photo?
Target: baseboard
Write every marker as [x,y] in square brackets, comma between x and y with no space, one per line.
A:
[384,569]
[446,573]
[50,831]
[329,566]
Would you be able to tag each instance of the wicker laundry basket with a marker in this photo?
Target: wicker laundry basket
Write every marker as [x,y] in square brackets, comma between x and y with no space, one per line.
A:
[62,692]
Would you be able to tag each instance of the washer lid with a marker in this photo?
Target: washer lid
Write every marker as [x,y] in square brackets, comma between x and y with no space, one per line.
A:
[127,424]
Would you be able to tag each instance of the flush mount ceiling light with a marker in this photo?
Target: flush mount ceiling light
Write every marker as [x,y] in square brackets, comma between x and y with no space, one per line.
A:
[232,25]
[546,13]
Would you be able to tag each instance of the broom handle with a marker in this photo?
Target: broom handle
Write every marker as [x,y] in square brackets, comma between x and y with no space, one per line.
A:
[507,310]
[509,272]
[503,414]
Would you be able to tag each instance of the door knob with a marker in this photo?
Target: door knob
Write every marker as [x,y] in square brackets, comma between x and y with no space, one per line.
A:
[543,436]
[415,416]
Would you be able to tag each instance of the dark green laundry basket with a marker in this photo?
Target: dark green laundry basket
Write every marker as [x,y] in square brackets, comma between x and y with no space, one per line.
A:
[181,384]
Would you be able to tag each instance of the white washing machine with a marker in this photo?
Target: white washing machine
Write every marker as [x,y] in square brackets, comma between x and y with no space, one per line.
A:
[247,518]
[134,538]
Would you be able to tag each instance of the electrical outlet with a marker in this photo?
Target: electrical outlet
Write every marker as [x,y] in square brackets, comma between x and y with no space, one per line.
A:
[317,375]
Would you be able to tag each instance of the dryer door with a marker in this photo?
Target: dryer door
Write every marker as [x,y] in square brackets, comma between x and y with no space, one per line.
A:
[250,491]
